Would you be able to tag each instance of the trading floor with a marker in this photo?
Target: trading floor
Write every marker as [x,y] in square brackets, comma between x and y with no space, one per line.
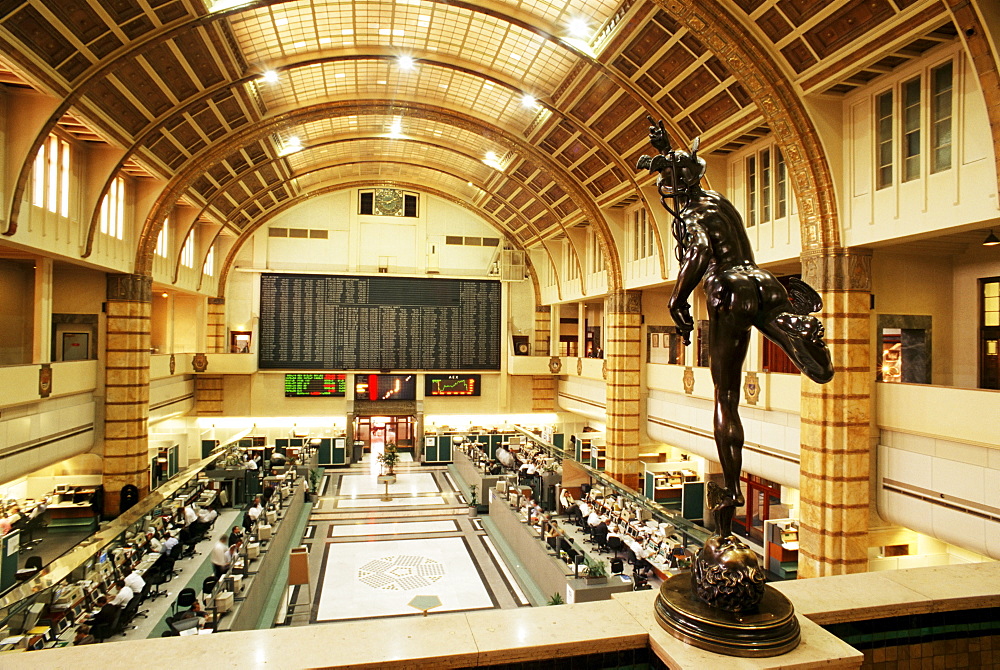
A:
[371,556]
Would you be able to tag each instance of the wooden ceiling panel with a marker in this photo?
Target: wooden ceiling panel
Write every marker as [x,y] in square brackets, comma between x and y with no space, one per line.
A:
[798,55]
[800,11]
[715,111]
[164,62]
[43,38]
[622,108]
[594,98]
[85,23]
[165,150]
[847,24]
[696,85]
[143,88]
[774,24]
[670,65]
[200,57]
[116,105]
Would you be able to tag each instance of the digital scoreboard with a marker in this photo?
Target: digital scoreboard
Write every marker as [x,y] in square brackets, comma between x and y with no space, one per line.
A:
[313,384]
[385,387]
[451,385]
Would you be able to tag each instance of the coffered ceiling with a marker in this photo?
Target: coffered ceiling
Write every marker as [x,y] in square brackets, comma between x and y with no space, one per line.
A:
[532,111]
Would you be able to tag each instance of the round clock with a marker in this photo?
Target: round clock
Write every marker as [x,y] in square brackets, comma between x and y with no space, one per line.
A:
[388,200]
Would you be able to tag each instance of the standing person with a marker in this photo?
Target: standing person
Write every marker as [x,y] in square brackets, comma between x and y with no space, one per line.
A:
[221,558]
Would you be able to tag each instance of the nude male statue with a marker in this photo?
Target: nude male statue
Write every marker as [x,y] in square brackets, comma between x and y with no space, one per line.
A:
[712,244]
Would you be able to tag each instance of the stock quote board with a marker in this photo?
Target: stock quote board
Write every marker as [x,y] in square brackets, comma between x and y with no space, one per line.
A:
[331,322]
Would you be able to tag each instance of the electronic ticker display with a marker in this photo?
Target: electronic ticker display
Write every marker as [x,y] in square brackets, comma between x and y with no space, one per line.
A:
[450,385]
[312,384]
[385,387]
[330,322]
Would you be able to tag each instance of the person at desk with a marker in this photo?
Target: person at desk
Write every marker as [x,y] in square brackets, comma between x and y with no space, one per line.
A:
[105,615]
[134,581]
[153,541]
[250,463]
[554,530]
[236,535]
[190,515]
[83,636]
[124,595]
[168,543]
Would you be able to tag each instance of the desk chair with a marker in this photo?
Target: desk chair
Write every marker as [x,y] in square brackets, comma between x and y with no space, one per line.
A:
[185,599]
[158,575]
[175,555]
[187,540]
[102,632]
[130,611]
[177,625]
[615,544]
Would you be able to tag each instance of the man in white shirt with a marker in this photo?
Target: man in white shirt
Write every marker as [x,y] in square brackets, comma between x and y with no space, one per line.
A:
[251,464]
[134,581]
[221,556]
[124,595]
[190,515]
[168,544]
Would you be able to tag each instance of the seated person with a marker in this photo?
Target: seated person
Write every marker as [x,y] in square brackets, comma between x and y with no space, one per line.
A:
[153,541]
[236,535]
[83,636]
[169,543]
[134,581]
[554,530]
[105,615]
[123,596]
[194,611]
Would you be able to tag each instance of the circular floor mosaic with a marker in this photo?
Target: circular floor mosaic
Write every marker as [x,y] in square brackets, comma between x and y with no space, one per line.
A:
[400,573]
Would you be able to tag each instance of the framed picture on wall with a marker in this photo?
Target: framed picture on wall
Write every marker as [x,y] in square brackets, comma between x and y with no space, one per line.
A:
[654,340]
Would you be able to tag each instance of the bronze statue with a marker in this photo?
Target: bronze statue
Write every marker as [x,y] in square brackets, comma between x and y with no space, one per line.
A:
[712,245]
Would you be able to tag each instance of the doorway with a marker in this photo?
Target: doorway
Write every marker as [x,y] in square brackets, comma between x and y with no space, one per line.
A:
[761,494]
[377,431]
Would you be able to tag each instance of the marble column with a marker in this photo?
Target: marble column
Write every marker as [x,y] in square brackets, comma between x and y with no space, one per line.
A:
[126,387]
[622,351]
[543,387]
[836,421]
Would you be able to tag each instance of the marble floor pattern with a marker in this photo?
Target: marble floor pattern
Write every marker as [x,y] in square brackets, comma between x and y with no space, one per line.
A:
[369,558]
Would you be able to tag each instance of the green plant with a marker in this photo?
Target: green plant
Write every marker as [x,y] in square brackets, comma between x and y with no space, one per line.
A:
[315,477]
[556,599]
[473,500]
[596,568]
[389,457]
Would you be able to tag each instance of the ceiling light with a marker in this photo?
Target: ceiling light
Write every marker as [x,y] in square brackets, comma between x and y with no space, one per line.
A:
[270,76]
[299,45]
[991,240]
[292,144]
[406,63]
[165,295]
[529,100]
[579,27]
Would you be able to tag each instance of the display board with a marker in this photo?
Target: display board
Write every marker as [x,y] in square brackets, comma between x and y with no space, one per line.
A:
[326,322]
[385,387]
[451,385]
[310,384]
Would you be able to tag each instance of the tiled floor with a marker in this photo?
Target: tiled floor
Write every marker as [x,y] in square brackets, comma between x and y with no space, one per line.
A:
[370,557]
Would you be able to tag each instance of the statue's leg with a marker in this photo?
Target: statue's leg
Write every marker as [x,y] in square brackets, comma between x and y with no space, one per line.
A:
[728,342]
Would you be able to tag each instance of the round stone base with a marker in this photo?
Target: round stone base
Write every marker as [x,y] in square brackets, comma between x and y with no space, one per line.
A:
[769,631]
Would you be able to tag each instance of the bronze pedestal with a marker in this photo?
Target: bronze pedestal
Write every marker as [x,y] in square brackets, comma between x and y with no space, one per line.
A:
[770,630]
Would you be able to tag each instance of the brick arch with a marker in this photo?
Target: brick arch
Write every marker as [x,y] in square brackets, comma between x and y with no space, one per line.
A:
[757,70]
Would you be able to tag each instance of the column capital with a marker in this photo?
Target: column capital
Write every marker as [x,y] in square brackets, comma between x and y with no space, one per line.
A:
[543,309]
[838,269]
[623,302]
[216,301]
[129,287]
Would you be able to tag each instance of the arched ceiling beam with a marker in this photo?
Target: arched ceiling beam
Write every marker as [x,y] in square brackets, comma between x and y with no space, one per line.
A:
[223,147]
[103,69]
[442,169]
[766,83]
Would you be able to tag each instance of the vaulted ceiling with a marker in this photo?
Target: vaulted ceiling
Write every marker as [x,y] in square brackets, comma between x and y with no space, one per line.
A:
[532,111]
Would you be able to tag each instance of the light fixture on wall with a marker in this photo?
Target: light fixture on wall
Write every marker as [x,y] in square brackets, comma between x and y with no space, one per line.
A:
[991,240]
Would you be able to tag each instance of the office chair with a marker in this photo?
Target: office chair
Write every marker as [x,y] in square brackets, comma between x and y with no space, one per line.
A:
[208,587]
[102,632]
[130,611]
[601,538]
[175,555]
[185,599]
[617,565]
[187,540]
[158,575]
[616,544]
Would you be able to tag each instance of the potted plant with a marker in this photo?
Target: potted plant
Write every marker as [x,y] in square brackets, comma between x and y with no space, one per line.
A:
[388,458]
[315,477]
[473,500]
[597,571]
[556,599]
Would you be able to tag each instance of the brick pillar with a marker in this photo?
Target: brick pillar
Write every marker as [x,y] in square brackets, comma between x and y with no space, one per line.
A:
[208,395]
[126,394]
[543,387]
[836,421]
[216,331]
[623,319]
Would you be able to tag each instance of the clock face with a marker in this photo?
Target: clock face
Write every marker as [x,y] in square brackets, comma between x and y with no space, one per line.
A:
[388,200]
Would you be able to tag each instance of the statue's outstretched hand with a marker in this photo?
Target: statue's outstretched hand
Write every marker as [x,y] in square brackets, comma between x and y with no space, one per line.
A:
[658,135]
